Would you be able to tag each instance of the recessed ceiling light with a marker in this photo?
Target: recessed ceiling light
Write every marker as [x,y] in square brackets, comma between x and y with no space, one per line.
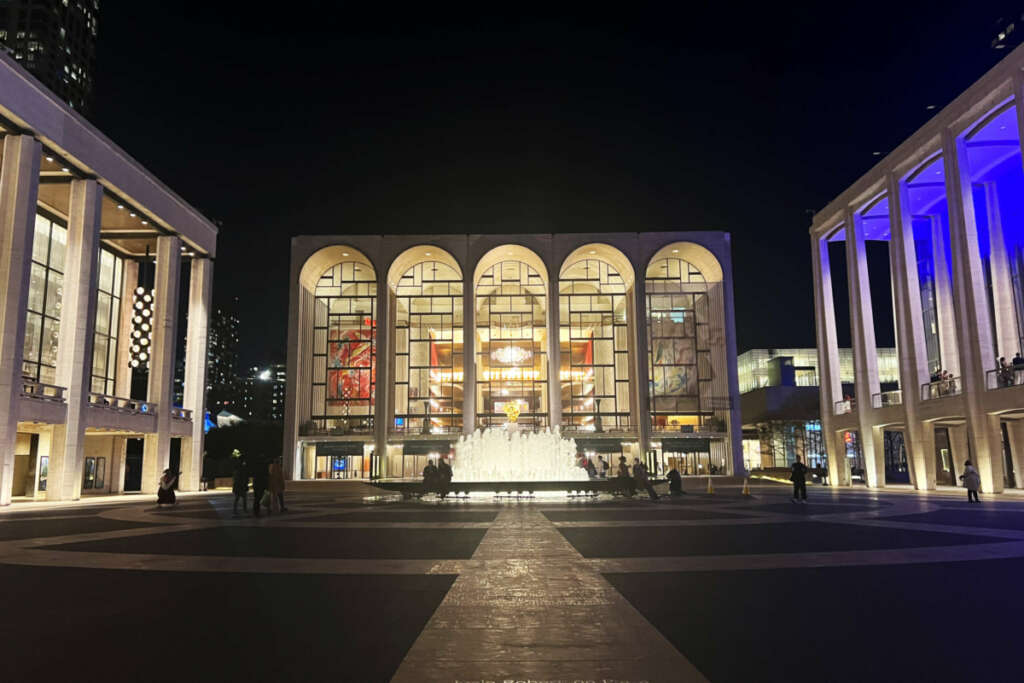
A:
[65,169]
[426,253]
[120,206]
[49,158]
[675,251]
[593,251]
[132,214]
[145,222]
[344,253]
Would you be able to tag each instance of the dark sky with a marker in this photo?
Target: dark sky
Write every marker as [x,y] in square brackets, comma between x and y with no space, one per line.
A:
[319,118]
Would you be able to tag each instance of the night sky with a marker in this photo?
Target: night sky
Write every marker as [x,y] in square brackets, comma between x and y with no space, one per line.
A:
[319,118]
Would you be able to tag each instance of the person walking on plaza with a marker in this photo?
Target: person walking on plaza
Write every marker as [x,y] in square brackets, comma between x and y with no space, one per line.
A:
[972,482]
[444,477]
[640,475]
[260,480]
[165,491]
[626,486]
[602,467]
[240,486]
[277,486]
[591,470]
[675,482]
[429,477]
[799,479]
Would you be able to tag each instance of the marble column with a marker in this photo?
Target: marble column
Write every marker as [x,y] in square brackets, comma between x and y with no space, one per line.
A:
[119,454]
[970,301]
[194,396]
[77,328]
[1002,278]
[156,452]
[641,384]
[383,376]
[19,188]
[913,362]
[946,320]
[468,354]
[865,351]
[554,351]
[829,379]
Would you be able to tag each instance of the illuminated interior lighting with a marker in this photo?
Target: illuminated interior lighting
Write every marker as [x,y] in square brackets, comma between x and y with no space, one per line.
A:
[49,158]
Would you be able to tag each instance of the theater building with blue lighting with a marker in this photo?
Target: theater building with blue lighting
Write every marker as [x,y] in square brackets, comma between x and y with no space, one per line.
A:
[941,220]
[400,344]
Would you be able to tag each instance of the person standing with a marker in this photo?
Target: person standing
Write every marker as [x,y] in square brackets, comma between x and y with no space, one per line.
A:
[429,478]
[625,481]
[444,477]
[260,481]
[602,467]
[972,482]
[675,482]
[240,486]
[799,479]
[277,485]
[591,470]
[640,475]
[165,491]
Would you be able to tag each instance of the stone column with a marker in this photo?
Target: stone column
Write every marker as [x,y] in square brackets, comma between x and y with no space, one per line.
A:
[865,352]
[383,364]
[910,329]
[74,351]
[1002,280]
[19,188]
[944,299]
[642,384]
[829,379]
[297,383]
[1015,430]
[468,354]
[194,396]
[972,312]
[554,353]
[123,372]
[119,454]
[156,452]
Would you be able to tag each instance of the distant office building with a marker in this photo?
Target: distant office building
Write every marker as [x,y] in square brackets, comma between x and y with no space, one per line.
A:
[225,387]
[756,367]
[55,40]
[263,392]
[944,215]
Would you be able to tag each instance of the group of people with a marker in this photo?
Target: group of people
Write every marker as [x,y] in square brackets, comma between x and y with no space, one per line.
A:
[267,486]
[629,485]
[944,382]
[598,470]
[437,478]
[1008,372]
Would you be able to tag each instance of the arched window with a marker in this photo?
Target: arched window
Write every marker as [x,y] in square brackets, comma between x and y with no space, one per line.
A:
[511,338]
[678,344]
[345,348]
[428,349]
[594,347]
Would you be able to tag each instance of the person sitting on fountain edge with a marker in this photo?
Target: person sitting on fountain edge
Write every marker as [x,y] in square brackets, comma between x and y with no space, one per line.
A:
[675,482]
[429,477]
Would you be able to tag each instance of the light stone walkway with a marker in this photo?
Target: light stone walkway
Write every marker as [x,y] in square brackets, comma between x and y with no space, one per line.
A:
[536,610]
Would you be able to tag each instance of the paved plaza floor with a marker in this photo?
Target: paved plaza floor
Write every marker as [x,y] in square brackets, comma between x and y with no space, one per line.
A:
[854,586]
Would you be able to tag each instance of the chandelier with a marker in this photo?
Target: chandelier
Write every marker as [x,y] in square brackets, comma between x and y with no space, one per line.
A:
[511,355]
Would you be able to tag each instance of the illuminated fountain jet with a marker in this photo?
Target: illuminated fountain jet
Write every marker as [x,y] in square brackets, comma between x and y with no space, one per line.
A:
[504,454]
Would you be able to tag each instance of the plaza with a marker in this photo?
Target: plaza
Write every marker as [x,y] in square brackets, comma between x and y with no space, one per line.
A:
[703,587]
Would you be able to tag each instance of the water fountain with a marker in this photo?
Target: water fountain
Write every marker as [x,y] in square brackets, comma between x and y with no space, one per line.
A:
[504,454]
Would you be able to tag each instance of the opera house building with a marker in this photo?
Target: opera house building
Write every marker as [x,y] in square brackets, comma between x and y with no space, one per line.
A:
[398,345]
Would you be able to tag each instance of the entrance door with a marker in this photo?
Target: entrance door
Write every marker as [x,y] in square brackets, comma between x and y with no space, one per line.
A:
[945,469]
[133,465]
[896,469]
[1009,476]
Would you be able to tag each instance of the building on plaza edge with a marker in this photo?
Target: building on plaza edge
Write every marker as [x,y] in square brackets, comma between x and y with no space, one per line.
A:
[398,344]
[91,251]
[944,215]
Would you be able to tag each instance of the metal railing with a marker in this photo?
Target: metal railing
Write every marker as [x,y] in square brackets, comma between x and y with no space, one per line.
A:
[337,426]
[1005,378]
[940,388]
[603,424]
[845,406]
[886,399]
[30,388]
[411,426]
[119,404]
[178,413]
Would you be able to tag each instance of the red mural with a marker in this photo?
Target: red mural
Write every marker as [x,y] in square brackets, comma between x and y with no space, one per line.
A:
[351,371]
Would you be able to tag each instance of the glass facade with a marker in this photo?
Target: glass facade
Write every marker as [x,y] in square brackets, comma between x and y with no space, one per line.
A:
[678,341]
[428,350]
[345,348]
[45,298]
[511,342]
[594,347]
[108,322]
